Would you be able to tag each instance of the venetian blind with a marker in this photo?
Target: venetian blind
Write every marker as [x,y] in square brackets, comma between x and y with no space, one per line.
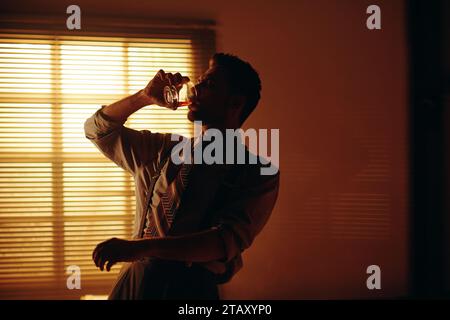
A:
[59,196]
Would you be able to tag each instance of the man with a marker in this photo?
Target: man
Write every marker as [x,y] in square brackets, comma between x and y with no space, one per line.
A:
[192,222]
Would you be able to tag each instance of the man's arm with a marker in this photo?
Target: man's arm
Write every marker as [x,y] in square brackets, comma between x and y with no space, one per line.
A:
[120,111]
[151,94]
[238,225]
[126,147]
[195,247]
[202,246]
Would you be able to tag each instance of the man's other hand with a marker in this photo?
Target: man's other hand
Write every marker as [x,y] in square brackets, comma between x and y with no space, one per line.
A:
[114,250]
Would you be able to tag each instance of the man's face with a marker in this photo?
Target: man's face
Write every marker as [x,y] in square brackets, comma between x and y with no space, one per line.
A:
[213,95]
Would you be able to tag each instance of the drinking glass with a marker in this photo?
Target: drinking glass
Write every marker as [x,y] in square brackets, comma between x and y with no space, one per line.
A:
[183,97]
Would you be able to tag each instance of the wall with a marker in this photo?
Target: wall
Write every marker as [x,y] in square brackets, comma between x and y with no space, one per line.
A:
[338,94]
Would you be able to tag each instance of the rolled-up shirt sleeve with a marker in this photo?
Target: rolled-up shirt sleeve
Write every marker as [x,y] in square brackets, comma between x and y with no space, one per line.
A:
[246,214]
[126,147]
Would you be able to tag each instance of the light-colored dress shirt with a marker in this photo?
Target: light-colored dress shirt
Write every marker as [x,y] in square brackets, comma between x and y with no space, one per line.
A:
[236,199]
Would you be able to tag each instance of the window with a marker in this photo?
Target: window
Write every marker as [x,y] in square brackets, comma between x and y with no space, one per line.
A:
[59,195]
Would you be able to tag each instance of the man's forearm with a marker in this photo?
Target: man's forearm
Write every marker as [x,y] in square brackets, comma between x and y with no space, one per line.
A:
[197,247]
[122,109]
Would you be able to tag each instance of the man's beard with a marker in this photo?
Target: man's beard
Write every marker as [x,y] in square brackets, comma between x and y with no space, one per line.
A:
[195,115]
[203,116]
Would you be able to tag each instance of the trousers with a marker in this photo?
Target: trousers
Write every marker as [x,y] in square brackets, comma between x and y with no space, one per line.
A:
[161,279]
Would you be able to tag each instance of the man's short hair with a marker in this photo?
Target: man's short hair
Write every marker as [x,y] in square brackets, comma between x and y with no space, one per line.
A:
[243,80]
